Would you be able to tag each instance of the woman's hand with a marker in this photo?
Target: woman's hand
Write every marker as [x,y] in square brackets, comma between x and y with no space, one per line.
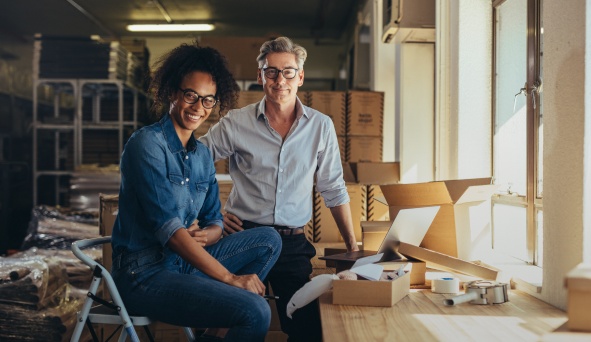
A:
[205,237]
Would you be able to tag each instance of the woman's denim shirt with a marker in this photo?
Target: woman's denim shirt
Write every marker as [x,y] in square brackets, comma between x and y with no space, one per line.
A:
[164,187]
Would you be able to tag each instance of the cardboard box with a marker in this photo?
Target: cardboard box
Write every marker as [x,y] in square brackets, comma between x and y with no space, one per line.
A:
[365,113]
[462,226]
[364,149]
[225,185]
[247,97]
[417,269]
[373,233]
[578,284]
[331,103]
[109,207]
[324,226]
[372,174]
[370,293]
[377,210]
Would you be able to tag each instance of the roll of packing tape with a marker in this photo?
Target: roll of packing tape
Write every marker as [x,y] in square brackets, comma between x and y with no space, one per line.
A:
[445,285]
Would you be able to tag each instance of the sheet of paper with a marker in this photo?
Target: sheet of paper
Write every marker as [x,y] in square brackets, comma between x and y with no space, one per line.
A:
[369,271]
[368,260]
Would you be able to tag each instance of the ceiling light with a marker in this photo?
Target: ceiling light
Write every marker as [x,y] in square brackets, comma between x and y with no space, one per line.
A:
[170,27]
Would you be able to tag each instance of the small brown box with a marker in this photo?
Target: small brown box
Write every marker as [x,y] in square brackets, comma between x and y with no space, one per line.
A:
[578,284]
[370,293]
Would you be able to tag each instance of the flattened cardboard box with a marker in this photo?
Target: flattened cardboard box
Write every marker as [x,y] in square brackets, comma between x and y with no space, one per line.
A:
[370,293]
[462,225]
[578,284]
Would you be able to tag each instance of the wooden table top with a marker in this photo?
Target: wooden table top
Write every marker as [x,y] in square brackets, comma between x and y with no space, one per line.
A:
[422,316]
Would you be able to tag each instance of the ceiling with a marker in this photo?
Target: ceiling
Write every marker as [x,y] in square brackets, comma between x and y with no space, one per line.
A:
[321,20]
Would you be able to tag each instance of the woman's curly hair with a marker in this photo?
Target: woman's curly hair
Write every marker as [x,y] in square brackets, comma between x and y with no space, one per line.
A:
[181,61]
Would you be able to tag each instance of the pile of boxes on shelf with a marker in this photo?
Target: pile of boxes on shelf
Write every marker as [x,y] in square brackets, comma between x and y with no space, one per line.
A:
[90,57]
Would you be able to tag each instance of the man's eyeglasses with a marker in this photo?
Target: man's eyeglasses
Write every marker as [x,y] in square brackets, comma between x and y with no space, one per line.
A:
[273,73]
[192,97]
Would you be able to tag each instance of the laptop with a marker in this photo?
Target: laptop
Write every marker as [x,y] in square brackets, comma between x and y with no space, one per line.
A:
[409,226]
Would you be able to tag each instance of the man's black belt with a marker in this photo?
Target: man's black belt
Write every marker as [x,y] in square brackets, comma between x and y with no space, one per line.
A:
[282,230]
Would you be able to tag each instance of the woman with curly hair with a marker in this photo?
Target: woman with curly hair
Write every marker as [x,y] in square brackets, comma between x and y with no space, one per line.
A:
[166,265]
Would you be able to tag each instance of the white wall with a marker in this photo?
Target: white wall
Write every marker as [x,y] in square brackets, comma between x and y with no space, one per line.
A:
[566,117]
[465,126]
[382,74]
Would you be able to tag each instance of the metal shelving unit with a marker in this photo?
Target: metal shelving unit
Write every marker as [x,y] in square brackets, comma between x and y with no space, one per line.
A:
[78,107]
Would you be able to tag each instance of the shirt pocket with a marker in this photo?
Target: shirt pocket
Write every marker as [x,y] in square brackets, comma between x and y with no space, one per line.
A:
[180,191]
[201,189]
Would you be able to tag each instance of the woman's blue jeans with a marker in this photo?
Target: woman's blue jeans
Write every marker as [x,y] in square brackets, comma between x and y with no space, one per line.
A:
[159,284]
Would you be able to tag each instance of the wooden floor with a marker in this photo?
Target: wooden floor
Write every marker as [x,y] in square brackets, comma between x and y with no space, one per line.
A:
[422,316]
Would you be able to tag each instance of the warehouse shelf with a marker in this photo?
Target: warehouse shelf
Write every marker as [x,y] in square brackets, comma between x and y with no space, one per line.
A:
[63,135]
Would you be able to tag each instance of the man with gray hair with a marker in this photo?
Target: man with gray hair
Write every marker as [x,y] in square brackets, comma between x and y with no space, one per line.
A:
[277,149]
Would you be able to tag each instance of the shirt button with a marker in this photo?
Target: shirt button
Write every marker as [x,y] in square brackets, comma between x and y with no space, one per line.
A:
[186,157]
[279,190]
[187,180]
[280,170]
[282,149]
[182,183]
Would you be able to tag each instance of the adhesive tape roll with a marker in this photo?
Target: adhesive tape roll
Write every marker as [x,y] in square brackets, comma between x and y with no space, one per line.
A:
[445,285]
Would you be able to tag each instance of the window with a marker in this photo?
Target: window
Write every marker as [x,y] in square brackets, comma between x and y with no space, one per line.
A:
[518,124]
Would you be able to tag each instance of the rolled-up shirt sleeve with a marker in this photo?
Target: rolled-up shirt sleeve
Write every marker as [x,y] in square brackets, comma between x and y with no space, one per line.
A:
[329,176]
[143,167]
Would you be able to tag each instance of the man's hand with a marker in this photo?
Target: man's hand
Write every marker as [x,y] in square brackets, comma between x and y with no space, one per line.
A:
[232,224]
[249,282]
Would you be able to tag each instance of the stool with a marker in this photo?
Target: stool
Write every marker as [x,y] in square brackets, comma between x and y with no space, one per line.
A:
[107,311]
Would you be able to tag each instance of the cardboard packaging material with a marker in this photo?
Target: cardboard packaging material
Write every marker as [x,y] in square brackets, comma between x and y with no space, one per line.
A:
[247,97]
[416,268]
[109,206]
[370,293]
[364,149]
[462,226]
[578,284]
[331,103]
[325,228]
[373,174]
[373,233]
[448,262]
[365,113]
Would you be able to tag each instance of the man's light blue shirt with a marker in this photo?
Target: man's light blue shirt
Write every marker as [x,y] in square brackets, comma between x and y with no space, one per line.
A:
[273,178]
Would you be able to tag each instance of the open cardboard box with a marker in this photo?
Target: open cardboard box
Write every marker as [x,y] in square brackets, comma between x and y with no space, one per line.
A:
[462,226]
[371,293]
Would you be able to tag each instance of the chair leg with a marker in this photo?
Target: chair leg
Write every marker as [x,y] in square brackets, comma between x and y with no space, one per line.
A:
[149,333]
[189,334]
[92,332]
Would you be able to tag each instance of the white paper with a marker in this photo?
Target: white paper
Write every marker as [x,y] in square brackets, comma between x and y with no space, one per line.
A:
[368,260]
[312,290]
[369,271]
